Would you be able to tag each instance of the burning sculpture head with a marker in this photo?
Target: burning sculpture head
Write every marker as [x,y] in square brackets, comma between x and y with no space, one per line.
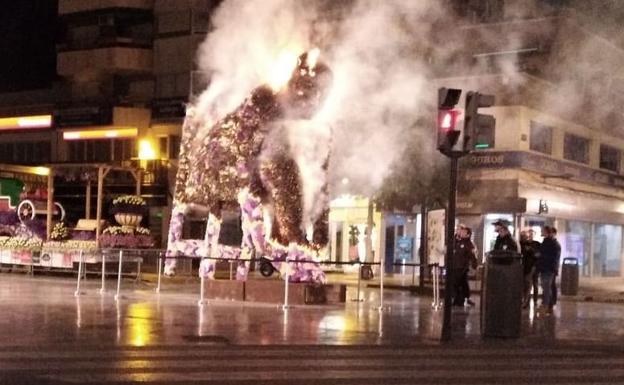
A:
[307,88]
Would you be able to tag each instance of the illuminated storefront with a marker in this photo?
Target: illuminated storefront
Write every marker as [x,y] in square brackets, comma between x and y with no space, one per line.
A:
[531,191]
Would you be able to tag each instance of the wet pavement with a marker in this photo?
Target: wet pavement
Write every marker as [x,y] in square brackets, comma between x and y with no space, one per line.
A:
[43,309]
[49,336]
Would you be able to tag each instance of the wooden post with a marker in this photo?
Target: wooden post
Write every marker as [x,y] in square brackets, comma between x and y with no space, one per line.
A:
[137,176]
[88,202]
[50,203]
[98,209]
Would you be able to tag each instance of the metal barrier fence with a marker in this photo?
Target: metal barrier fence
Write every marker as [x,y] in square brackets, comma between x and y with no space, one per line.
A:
[137,255]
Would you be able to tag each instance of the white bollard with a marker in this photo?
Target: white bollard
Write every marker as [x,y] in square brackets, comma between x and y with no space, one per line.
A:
[286,279]
[359,284]
[436,287]
[202,285]
[119,275]
[159,272]
[77,292]
[103,287]
[381,285]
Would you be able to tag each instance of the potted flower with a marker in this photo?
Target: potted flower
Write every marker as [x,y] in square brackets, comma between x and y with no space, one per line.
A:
[60,232]
[129,210]
[124,237]
[354,239]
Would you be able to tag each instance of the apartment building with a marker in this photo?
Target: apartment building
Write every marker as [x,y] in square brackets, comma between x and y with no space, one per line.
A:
[556,155]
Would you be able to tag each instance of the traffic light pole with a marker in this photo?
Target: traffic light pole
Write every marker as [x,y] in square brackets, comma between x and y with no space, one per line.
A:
[475,125]
[450,247]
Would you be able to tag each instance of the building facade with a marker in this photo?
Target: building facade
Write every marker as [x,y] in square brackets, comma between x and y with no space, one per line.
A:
[555,157]
[126,69]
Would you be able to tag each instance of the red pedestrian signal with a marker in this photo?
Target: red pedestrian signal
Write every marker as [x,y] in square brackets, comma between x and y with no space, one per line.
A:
[447,119]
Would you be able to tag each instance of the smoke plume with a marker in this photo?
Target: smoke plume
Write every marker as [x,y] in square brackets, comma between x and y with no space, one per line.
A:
[381,54]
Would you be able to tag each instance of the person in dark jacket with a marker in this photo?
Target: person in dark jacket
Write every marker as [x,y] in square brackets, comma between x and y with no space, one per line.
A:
[554,281]
[529,249]
[463,257]
[547,265]
[504,240]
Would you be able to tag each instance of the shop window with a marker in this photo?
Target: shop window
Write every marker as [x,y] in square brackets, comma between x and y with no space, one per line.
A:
[174,146]
[576,148]
[609,158]
[607,250]
[541,138]
[99,151]
[162,145]
[575,239]
[169,22]
[6,152]
[123,149]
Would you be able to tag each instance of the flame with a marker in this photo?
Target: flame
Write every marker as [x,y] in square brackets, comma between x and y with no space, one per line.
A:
[312,58]
[280,72]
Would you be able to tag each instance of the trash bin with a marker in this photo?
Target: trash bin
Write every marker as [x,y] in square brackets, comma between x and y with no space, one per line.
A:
[501,294]
[570,276]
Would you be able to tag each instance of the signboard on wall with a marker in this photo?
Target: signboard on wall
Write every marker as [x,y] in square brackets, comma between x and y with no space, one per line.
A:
[404,249]
[435,236]
[541,164]
[83,116]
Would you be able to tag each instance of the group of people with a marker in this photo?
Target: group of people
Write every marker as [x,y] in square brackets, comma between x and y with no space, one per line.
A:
[540,262]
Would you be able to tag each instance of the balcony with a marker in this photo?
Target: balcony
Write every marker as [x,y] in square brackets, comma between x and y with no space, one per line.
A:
[73,6]
[104,60]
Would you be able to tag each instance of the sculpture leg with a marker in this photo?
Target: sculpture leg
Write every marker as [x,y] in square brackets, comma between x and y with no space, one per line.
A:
[175,235]
[211,246]
[253,230]
[281,176]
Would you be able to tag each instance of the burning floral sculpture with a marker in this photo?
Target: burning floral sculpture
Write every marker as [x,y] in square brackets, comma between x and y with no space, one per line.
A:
[244,161]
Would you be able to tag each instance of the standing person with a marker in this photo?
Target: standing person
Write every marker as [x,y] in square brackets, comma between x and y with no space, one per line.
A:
[553,230]
[473,263]
[546,266]
[529,249]
[504,240]
[462,258]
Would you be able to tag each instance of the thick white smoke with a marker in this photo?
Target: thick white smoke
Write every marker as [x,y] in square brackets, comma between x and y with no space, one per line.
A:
[375,51]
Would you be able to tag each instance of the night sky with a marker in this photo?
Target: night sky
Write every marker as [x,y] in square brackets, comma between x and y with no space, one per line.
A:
[27,44]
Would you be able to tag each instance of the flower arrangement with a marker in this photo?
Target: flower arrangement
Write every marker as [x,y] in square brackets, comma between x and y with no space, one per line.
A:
[129,204]
[35,228]
[125,237]
[8,223]
[8,218]
[60,232]
[20,244]
[354,235]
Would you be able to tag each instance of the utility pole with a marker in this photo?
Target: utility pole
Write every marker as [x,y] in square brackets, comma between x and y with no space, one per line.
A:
[478,133]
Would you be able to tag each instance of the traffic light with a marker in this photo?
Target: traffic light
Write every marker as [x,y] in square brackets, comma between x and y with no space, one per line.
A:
[479,128]
[447,119]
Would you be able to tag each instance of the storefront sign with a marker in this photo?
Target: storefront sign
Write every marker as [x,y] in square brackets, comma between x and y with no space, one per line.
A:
[83,116]
[542,164]
[26,122]
[509,205]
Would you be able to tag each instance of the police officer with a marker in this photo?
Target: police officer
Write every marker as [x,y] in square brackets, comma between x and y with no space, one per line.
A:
[504,240]
[463,257]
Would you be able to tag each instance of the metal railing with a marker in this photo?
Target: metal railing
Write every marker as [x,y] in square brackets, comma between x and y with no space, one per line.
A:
[137,256]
